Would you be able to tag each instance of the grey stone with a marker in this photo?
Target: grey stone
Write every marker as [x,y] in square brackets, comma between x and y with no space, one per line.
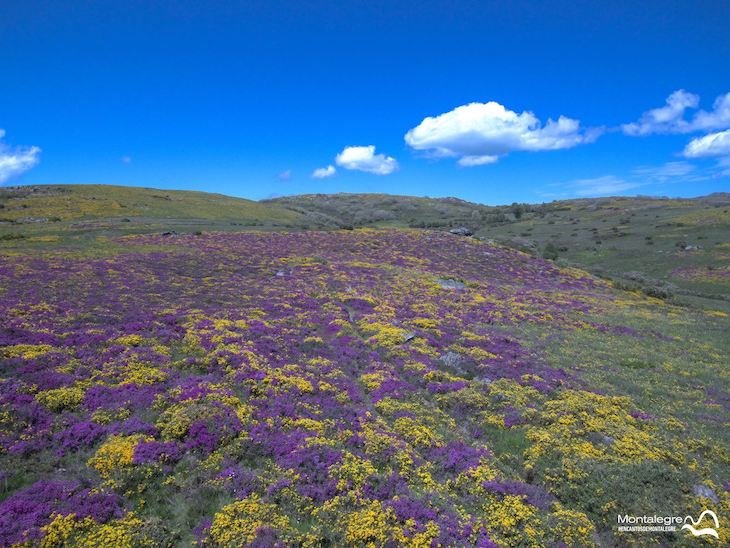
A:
[461,231]
[704,491]
[450,283]
[458,364]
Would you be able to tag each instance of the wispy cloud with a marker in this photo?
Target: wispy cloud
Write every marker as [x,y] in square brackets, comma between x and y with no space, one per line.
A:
[724,166]
[607,185]
[670,118]
[15,161]
[650,179]
[666,172]
[480,133]
[363,158]
[285,175]
[324,172]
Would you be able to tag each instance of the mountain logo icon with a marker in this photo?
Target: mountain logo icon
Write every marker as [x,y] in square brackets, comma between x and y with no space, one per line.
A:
[704,531]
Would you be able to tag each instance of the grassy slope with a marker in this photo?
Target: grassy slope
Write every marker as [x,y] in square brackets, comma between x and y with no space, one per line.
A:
[680,375]
[384,209]
[623,235]
[86,202]
[611,236]
[85,216]
[674,369]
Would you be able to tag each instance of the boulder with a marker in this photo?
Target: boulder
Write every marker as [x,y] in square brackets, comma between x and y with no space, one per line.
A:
[461,231]
[705,492]
[459,364]
[450,283]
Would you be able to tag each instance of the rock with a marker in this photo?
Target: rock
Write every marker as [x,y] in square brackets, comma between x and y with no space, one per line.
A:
[450,283]
[169,233]
[409,337]
[452,359]
[524,244]
[33,220]
[458,364]
[602,439]
[704,491]
[461,231]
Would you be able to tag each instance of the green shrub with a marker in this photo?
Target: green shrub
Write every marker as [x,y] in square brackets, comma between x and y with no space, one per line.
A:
[550,252]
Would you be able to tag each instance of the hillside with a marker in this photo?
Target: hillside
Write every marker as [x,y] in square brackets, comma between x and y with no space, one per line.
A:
[676,248]
[663,246]
[359,210]
[347,388]
[82,204]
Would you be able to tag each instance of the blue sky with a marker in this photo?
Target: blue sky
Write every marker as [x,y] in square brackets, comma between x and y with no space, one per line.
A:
[250,98]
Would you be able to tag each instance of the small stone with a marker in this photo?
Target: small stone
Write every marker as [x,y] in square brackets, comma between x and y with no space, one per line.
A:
[450,283]
[705,492]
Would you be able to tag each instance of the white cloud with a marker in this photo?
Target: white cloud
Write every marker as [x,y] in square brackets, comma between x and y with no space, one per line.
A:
[284,175]
[363,158]
[479,133]
[717,118]
[666,119]
[470,161]
[324,172]
[16,160]
[714,144]
[671,117]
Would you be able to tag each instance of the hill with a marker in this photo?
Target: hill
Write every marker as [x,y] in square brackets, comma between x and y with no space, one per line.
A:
[659,245]
[61,207]
[348,387]
[668,248]
[359,210]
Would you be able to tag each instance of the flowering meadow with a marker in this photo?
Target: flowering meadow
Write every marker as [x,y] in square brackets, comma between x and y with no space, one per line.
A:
[348,388]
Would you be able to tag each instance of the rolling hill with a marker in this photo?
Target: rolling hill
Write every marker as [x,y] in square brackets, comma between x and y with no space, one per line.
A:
[181,368]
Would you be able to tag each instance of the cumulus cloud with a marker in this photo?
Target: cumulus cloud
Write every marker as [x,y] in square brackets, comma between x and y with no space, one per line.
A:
[324,172]
[671,117]
[16,160]
[363,158]
[712,145]
[479,133]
